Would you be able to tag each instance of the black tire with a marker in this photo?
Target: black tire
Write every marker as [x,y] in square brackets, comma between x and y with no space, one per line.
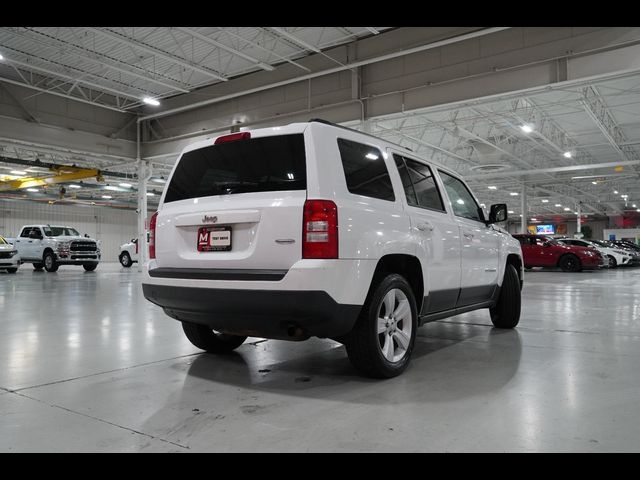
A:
[207,339]
[90,267]
[125,260]
[50,264]
[570,263]
[12,270]
[612,261]
[363,343]
[506,313]
[38,267]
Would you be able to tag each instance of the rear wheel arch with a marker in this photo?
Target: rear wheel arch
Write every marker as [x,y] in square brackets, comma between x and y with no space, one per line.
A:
[408,266]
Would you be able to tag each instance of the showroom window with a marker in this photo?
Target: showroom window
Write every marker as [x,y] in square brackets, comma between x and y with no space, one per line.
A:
[365,170]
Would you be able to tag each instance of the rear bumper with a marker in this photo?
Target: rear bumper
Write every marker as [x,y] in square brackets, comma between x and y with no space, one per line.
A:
[289,315]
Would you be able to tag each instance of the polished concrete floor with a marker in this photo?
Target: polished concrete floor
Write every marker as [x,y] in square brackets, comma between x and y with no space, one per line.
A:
[88,365]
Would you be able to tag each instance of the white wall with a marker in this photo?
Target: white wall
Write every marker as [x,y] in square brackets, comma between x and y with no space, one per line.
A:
[621,233]
[111,226]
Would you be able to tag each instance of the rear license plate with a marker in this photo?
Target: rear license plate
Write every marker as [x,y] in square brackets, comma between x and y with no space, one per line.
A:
[214,239]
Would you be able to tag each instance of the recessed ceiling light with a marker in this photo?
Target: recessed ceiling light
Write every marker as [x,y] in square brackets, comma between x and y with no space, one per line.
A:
[594,182]
[634,205]
[73,185]
[544,200]
[160,180]
[151,101]
[558,205]
[492,187]
[18,172]
[32,190]
[125,185]
[534,219]
[107,197]
[110,187]
[151,194]
[526,128]
[510,211]
[567,154]
[513,194]
[615,191]
[567,209]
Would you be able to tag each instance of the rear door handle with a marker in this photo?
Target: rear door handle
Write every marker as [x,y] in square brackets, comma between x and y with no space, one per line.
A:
[425,226]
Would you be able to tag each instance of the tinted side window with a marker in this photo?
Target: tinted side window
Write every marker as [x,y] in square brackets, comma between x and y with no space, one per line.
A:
[25,232]
[523,241]
[406,180]
[365,170]
[462,202]
[423,189]
[424,185]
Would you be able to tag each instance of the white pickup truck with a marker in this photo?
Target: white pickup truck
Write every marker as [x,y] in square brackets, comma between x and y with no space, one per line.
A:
[49,246]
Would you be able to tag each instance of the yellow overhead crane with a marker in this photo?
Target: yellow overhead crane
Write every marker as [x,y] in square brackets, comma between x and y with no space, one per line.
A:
[62,174]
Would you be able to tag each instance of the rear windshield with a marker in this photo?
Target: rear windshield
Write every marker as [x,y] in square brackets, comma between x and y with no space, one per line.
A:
[264,164]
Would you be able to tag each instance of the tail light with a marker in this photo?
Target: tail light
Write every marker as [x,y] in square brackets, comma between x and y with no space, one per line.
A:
[152,236]
[320,229]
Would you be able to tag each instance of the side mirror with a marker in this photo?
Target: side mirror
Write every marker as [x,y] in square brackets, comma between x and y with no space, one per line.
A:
[498,213]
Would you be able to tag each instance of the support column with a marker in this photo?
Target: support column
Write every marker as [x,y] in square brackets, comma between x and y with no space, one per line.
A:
[143,175]
[523,205]
[578,223]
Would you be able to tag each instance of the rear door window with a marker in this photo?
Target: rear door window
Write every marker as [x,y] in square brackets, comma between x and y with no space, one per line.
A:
[419,184]
[365,170]
[264,164]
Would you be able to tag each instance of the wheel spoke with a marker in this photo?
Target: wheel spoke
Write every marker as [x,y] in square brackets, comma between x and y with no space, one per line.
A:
[388,349]
[382,325]
[402,338]
[403,310]
[389,302]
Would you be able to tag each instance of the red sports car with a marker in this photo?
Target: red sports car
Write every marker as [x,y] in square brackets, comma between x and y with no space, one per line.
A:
[543,251]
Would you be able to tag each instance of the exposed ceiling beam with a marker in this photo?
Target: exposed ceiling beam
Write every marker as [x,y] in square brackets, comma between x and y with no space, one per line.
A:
[257,45]
[124,39]
[373,30]
[283,33]
[58,94]
[211,41]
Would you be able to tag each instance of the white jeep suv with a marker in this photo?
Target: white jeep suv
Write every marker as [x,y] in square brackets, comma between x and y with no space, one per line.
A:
[313,229]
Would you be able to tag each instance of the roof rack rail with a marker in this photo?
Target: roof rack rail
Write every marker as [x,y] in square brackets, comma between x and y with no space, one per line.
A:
[327,122]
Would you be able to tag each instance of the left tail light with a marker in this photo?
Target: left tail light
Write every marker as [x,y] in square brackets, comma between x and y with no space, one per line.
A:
[152,236]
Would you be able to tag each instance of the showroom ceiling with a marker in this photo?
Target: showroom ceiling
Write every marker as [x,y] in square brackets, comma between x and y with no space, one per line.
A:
[571,127]
[117,67]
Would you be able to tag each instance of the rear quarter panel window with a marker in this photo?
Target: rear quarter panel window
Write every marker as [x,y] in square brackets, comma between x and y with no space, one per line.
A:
[365,170]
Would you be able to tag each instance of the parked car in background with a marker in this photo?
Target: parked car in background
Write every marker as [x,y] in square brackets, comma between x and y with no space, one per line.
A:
[9,257]
[49,246]
[625,244]
[634,254]
[129,253]
[544,251]
[614,256]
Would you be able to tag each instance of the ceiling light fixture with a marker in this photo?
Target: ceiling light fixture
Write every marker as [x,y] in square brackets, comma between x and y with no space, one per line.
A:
[513,194]
[594,182]
[544,200]
[615,191]
[73,185]
[125,185]
[107,197]
[526,128]
[32,190]
[18,172]
[160,180]
[567,154]
[534,219]
[111,187]
[151,194]
[151,101]
[558,204]
[510,211]
[567,209]
[492,187]
[1,57]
